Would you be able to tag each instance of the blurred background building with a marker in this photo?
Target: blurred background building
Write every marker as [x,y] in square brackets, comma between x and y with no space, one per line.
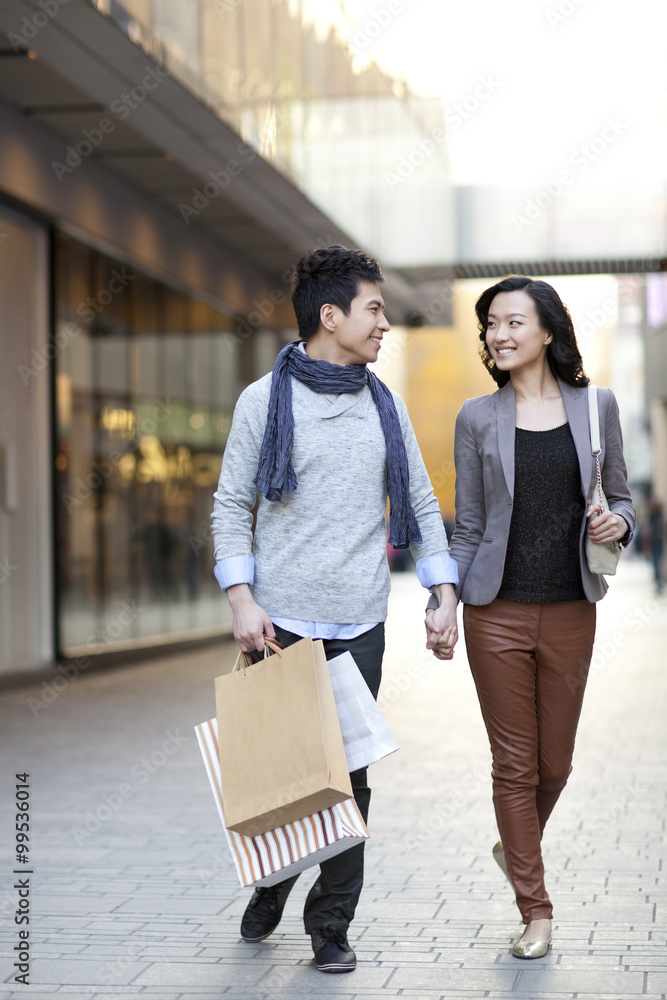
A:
[164,162]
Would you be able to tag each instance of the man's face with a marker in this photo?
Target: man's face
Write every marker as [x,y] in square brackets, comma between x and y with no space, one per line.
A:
[357,337]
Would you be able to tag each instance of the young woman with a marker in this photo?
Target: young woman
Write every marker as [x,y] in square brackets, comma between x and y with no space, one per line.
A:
[524,476]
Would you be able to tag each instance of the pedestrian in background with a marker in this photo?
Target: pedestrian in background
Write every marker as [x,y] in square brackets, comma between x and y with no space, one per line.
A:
[656,534]
[322,443]
[524,473]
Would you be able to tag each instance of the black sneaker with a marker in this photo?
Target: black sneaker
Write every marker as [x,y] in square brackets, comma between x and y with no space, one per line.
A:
[332,950]
[263,912]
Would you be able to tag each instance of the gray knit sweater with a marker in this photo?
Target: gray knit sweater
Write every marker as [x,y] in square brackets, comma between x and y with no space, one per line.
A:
[320,552]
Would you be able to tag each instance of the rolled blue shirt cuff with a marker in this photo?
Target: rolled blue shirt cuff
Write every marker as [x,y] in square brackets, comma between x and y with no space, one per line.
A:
[235,569]
[323,630]
[433,570]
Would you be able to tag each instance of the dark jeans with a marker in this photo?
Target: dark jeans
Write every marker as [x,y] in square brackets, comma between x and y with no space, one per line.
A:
[335,894]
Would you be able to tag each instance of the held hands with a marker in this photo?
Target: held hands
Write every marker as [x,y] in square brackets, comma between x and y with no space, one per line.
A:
[441,629]
[251,623]
[441,638]
[605,527]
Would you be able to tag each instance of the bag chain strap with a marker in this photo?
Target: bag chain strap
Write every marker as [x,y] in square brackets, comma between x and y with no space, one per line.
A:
[598,474]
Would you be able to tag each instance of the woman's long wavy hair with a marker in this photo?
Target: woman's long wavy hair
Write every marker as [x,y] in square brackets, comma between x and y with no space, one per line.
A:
[563,353]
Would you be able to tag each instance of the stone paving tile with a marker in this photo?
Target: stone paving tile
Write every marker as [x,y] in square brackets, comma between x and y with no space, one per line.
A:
[259,995]
[166,904]
[85,972]
[450,995]
[212,974]
[73,989]
[427,978]
[58,946]
[25,991]
[580,981]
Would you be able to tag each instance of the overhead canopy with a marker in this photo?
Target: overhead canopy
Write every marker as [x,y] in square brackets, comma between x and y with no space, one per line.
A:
[76,73]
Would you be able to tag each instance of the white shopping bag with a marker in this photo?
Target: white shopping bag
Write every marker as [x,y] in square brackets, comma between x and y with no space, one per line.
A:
[366,733]
[274,856]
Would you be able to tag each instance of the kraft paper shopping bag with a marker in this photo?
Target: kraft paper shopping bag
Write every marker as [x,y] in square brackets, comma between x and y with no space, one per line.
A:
[281,749]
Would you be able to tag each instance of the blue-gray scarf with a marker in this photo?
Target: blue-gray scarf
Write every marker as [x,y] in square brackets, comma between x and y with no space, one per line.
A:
[275,472]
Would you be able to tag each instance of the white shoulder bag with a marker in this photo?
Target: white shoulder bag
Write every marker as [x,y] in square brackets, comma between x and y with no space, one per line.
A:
[602,558]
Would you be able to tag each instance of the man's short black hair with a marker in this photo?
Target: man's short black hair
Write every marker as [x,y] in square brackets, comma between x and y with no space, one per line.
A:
[330,274]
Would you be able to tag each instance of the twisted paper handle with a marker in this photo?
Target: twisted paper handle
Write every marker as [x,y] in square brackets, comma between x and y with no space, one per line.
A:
[270,646]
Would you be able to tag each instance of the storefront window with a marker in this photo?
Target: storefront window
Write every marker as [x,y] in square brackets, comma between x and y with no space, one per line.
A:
[146,383]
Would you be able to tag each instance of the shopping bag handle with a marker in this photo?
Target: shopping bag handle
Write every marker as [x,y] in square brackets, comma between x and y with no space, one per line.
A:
[245,658]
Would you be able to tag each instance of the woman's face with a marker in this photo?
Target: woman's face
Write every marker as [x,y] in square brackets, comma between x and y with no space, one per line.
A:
[514,337]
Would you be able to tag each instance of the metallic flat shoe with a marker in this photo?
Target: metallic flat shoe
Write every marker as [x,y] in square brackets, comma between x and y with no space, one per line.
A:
[499,855]
[531,949]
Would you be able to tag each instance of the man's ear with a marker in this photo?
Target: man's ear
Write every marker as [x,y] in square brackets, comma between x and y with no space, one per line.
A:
[327,317]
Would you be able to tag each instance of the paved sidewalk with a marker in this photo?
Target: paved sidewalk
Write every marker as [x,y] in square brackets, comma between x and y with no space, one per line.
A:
[133,894]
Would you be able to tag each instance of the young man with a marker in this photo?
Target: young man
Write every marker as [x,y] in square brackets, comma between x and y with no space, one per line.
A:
[323,443]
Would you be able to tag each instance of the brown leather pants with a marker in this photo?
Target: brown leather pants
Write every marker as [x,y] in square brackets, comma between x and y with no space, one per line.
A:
[529,663]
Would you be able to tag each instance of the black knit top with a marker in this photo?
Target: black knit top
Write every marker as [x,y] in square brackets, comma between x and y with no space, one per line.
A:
[542,561]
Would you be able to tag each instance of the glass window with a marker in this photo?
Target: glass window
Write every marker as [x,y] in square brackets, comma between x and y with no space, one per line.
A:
[145,388]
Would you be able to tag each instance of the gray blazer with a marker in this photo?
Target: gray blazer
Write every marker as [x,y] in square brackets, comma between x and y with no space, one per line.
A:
[484,458]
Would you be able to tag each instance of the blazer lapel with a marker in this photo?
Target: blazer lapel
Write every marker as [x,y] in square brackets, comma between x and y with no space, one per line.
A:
[575,399]
[506,419]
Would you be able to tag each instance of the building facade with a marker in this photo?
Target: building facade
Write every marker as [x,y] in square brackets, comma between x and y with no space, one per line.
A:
[148,219]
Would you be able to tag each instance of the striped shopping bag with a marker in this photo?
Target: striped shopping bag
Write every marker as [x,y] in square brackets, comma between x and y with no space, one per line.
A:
[287,850]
